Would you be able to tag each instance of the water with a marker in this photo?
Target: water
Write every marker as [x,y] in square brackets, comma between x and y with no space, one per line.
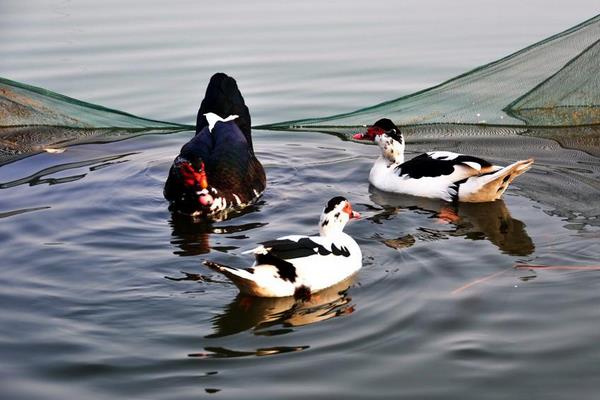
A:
[87,239]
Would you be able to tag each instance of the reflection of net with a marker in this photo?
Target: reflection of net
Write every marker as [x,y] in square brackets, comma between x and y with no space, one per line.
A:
[24,105]
[555,82]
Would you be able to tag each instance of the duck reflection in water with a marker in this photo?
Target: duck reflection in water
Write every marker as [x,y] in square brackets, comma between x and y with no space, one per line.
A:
[476,221]
[192,236]
[275,316]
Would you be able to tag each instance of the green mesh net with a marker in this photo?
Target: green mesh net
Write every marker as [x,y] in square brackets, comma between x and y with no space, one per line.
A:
[34,119]
[555,82]
[24,105]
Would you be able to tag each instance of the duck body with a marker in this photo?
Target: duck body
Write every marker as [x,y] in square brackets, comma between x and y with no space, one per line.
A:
[296,265]
[438,174]
[217,170]
[447,176]
[299,265]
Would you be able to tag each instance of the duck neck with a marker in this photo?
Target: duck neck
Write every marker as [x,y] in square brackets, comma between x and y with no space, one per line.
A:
[392,151]
[330,233]
[331,226]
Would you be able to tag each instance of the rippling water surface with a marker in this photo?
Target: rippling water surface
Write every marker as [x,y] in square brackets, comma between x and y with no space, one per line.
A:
[103,293]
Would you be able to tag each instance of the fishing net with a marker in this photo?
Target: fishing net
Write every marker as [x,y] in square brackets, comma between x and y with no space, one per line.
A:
[34,119]
[24,105]
[555,82]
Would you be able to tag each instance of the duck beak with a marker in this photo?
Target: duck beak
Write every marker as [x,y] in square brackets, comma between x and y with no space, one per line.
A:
[205,199]
[369,135]
[351,213]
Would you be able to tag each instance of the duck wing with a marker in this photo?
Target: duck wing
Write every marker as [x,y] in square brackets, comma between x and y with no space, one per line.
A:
[444,163]
[232,167]
[293,247]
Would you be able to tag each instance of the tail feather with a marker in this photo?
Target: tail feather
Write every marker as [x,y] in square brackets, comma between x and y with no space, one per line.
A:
[490,187]
[240,277]
[224,98]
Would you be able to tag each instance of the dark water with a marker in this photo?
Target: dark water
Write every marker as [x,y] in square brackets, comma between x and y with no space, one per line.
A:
[438,311]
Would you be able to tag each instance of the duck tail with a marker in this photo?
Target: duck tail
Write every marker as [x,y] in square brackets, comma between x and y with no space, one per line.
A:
[224,98]
[240,277]
[491,186]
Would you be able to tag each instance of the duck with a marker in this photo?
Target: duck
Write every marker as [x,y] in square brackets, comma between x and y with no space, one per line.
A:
[441,175]
[217,170]
[299,265]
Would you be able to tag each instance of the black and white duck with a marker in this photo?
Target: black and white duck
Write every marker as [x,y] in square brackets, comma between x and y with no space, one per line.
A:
[300,265]
[217,170]
[437,174]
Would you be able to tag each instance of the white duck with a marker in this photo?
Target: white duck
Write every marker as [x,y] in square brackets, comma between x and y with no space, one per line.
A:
[300,265]
[438,174]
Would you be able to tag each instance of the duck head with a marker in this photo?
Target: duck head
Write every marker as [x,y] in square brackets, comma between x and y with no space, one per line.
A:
[335,216]
[389,138]
[195,181]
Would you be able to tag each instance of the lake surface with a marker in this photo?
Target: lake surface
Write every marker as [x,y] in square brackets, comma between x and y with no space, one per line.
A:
[102,290]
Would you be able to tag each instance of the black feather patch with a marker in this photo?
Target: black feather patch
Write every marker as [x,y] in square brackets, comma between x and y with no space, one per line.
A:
[332,203]
[480,161]
[342,251]
[286,270]
[394,134]
[425,166]
[289,249]
[456,187]
[302,293]
[386,124]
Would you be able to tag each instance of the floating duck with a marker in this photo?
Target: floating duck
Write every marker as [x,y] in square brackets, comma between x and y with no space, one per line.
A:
[217,170]
[300,265]
[437,174]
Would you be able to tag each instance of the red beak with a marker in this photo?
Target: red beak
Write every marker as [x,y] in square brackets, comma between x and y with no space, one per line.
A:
[351,213]
[369,134]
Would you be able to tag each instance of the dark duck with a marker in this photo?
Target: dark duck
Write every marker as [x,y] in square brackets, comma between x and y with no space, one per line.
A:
[217,170]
